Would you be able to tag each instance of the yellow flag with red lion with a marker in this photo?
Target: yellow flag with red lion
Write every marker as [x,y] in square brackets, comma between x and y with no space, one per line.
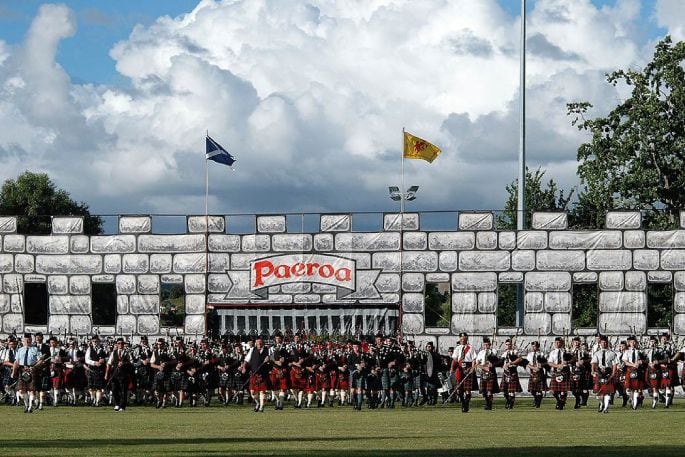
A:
[417,148]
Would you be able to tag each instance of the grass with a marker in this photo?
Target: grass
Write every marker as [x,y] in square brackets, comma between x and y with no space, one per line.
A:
[337,432]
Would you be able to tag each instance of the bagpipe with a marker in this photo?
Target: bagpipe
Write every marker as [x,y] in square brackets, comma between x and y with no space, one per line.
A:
[28,372]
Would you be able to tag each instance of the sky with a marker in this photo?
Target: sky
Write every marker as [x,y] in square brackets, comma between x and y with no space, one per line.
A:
[113,98]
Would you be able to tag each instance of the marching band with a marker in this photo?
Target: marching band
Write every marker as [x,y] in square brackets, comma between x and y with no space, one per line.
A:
[314,372]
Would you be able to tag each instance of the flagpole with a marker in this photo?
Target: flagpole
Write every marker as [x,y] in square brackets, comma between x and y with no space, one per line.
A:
[402,195]
[206,234]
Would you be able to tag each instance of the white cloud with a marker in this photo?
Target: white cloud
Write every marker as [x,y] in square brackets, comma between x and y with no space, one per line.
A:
[671,14]
[311,97]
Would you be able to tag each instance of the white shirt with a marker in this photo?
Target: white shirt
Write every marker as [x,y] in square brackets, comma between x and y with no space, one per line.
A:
[556,356]
[605,358]
[464,353]
[631,355]
[483,355]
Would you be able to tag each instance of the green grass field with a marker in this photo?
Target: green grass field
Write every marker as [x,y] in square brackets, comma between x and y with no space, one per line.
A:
[422,432]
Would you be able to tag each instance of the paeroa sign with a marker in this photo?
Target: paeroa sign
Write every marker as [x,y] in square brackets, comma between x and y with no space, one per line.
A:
[313,268]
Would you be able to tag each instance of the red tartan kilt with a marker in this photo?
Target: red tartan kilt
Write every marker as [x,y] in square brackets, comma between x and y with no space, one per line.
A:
[323,381]
[297,380]
[634,383]
[510,383]
[334,380]
[312,383]
[560,386]
[489,384]
[603,389]
[57,380]
[468,384]
[343,381]
[653,378]
[537,383]
[258,383]
[671,380]
[278,379]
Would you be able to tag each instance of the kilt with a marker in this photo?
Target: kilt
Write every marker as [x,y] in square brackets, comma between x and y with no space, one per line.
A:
[653,378]
[669,377]
[56,377]
[537,382]
[258,383]
[488,382]
[312,385]
[323,382]
[298,380]
[358,379]
[385,378]
[564,385]
[143,377]
[469,383]
[278,378]
[225,380]
[75,378]
[161,382]
[604,385]
[43,383]
[343,381]
[27,385]
[581,379]
[373,382]
[96,378]
[333,379]
[210,377]
[510,382]
[408,382]
[178,380]
[635,379]
[7,376]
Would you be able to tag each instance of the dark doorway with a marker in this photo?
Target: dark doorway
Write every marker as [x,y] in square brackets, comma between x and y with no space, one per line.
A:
[35,303]
[104,298]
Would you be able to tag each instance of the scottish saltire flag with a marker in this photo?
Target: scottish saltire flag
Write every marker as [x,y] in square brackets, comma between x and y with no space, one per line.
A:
[217,153]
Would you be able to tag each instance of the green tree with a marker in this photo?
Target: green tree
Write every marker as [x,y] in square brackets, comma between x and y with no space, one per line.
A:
[34,198]
[636,156]
[538,197]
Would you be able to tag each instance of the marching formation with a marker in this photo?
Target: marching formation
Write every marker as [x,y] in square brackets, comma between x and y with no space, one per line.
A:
[381,373]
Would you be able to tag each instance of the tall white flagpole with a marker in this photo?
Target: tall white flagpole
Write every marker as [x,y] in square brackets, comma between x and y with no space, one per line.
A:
[402,196]
[521,198]
[206,232]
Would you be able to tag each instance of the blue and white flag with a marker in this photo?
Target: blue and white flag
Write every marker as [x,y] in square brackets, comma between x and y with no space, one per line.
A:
[217,153]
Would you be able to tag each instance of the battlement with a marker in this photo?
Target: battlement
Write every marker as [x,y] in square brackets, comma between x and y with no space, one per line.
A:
[391,266]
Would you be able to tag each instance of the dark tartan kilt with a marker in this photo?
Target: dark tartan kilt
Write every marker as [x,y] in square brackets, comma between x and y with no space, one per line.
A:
[7,376]
[488,383]
[537,382]
[278,379]
[178,381]
[358,379]
[581,380]
[510,383]
[669,377]
[96,378]
[634,383]
[373,382]
[385,378]
[238,381]
[43,383]
[395,379]
[225,380]
[75,378]
[143,375]
[469,383]
[194,384]
[408,382]
[210,378]
[653,378]
[258,383]
[564,385]
[298,380]
[606,388]
[161,381]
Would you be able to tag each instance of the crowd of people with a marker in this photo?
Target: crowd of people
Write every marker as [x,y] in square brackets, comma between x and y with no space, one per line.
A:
[382,372]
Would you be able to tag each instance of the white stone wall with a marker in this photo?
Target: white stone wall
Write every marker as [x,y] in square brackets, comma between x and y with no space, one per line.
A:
[392,267]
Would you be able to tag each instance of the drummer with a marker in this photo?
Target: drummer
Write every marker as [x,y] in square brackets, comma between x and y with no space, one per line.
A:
[26,357]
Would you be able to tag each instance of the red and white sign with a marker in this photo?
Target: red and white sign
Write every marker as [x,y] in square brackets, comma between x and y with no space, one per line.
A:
[316,268]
